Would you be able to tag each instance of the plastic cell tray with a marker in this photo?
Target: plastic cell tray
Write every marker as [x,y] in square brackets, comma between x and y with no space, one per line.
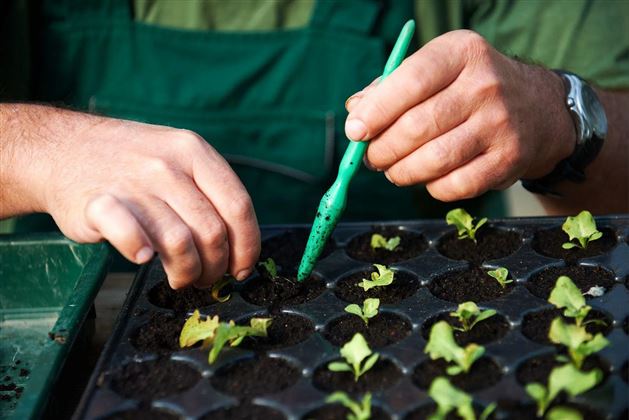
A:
[609,399]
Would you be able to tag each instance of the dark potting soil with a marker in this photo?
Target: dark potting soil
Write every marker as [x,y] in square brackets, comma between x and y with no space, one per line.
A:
[288,248]
[182,300]
[255,376]
[411,245]
[472,284]
[274,293]
[549,241]
[519,411]
[537,368]
[383,329]
[285,330]
[486,331]
[491,243]
[244,412]
[425,411]
[536,325]
[139,414]
[338,412]
[381,376]
[403,286]
[160,334]
[154,379]
[484,373]
[583,276]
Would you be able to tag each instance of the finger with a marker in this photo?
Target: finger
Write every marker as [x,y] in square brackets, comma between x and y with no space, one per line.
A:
[172,239]
[220,184]
[420,76]
[418,126]
[208,231]
[108,218]
[439,156]
[355,98]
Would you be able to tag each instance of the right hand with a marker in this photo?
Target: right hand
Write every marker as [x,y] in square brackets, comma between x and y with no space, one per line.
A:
[147,188]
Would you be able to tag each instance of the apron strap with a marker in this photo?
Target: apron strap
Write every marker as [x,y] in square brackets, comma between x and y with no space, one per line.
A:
[348,15]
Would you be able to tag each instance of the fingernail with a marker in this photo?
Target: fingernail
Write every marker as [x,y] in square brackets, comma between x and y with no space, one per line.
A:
[355,129]
[367,164]
[349,103]
[144,255]
[388,178]
[243,274]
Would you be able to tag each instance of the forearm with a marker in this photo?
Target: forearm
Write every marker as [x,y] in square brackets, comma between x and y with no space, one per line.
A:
[606,189]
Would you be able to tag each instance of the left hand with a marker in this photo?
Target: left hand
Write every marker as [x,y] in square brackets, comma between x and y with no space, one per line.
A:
[462,118]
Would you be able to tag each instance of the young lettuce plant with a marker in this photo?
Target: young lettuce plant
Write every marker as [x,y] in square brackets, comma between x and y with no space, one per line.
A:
[369,309]
[270,267]
[567,296]
[218,286]
[500,274]
[357,410]
[216,334]
[358,357]
[379,241]
[449,398]
[581,227]
[564,378]
[441,345]
[464,223]
[577,340]
[383,277]
[563,413]
[468,314]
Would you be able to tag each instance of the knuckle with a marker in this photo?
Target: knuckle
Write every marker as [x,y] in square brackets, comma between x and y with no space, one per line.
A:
[241,208]
[177,240]
[474,44]
[213,234]
[381,154]
[100,205]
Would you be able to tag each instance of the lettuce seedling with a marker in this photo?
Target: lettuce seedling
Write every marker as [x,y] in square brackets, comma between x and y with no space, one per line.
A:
[464,223]
[270,267]
[469,315]
[567,296]
[369,309]
[563,413]
[564,378]
[383,277]
[441,345]
[216,334]
[218,286]
[379,241]
[358,410]
[449,398]
[500,274]
[577,340]
[355,352]
[581,227]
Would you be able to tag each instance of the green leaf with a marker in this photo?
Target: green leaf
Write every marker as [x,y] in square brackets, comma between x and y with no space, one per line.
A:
[218,286]
[563,413]
[234,334]
[469,315]
[270,267]
[567,296]
[539,393]
[369,309]
[359,411]
[571,380]
[441,344]
[379,241]
[579,342]
[355,352]
[487,411]
[195,329]
[581,227]
[449,398]
[464,223]
[339,367]
[354,310]
[383,277]
[500,274]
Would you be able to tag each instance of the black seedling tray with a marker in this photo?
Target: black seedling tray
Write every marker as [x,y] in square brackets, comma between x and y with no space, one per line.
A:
[139,377]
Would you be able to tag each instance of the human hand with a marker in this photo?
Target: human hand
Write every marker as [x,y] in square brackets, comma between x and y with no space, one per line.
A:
[462,118]
[143,188]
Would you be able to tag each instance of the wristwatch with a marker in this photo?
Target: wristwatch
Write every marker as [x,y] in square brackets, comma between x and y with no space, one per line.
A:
[590,122]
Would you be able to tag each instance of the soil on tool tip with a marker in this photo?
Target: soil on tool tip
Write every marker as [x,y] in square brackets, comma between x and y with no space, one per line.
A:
[483,374]
[182,300]
[159,335]
[472,284]
[288,248]
[143,414]
[281,291]
[536,325]
[584,277]
[549,241]
[382,330]
[425,411]
[154,379]
[538,368]
[244,412]
[411,245]
[518,411]
[486,331]
[285,330]
[384,374]
[404,285]
[255,376]
[491,243]
[337,412]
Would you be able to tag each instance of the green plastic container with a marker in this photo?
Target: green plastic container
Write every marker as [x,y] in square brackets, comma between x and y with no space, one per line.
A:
[47,286]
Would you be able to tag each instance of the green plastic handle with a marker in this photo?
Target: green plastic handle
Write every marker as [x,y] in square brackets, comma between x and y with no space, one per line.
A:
[333,202]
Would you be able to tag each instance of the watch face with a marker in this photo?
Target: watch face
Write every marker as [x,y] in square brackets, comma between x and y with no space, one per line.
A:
[595,114]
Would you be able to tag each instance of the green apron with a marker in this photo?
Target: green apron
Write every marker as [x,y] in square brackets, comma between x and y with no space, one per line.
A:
[271,102]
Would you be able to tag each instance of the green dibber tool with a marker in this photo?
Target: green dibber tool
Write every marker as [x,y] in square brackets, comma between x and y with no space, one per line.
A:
[333,202]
